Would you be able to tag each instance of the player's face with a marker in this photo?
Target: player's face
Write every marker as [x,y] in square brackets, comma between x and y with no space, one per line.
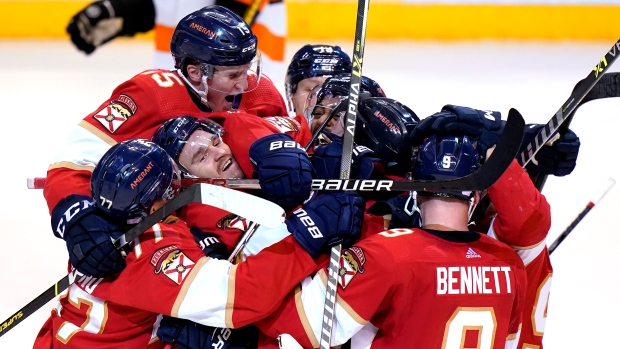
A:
[206,156]
[304,88]
[322,110]
[226,82]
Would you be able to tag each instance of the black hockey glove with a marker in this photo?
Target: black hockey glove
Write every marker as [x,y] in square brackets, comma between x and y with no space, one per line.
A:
[283,169]
[327,220]
[104,20]
[95,25]
[210,244]
[88,236]
[483,126]
[185,334]
[558,159]
[327,157]
[396,208]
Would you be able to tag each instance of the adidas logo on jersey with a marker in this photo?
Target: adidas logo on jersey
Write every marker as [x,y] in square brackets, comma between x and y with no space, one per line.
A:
[471,254]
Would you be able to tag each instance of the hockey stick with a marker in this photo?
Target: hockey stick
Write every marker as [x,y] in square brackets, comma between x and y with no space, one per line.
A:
[579,93]
[608,185]
[261,211]
[506,149]
[608,86]
[345,165]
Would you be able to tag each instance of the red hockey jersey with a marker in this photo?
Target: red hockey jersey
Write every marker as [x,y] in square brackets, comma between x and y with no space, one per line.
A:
[167,273]
[410,288]
[523,221]
[136,109]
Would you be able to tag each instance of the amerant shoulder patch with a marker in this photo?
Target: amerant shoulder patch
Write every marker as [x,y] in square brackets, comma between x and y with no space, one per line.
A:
[352,261]
[114,115]
[284,124]
[173,263]
[232,221]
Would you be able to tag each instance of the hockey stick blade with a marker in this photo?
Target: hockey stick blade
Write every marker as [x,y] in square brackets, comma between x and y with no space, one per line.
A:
[579,93]
[607,87]
[243,204]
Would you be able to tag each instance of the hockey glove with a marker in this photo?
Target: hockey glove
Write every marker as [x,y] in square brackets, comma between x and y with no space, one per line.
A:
[558,159]
[327,220]
[104,20]
[95,25]
[483,126]
[396,208]
[88,236]
[210,244]
[327,157]
[185,334]
[283,169]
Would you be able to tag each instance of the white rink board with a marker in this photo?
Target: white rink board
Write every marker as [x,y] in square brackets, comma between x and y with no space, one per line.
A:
[47,86]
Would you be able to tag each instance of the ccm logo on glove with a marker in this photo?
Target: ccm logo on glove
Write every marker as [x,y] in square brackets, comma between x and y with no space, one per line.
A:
[286,144]
[308,223]
[70,213]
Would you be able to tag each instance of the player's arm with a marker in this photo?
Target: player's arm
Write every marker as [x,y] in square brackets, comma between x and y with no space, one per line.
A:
[361,290]
[104,20]
[523,213]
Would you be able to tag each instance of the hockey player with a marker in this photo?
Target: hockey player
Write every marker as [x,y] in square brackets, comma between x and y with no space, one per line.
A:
[105,20]
[309,67]
[438,286]
[504,203]
[167,271]
[330,98]
[212,74]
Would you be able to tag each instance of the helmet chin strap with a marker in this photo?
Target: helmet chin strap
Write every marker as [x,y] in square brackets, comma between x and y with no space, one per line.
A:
[199,93]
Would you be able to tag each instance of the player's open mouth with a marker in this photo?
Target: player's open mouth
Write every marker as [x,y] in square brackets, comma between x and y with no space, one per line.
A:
[230,98]
[226,165]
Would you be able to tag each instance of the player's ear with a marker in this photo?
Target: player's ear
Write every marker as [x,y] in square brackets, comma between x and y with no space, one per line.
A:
[193,73]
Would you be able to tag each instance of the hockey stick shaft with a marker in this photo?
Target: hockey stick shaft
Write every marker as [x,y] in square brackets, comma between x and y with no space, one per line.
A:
[201,193]
[185,197]
[608,185]
[251,12]
[506,149]
[578,94]
[345,165]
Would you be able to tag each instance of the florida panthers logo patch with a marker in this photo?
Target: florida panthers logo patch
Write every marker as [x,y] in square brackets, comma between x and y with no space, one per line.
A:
[232,221]
[284,124]
[114,115]
[352,261]
[173,263]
